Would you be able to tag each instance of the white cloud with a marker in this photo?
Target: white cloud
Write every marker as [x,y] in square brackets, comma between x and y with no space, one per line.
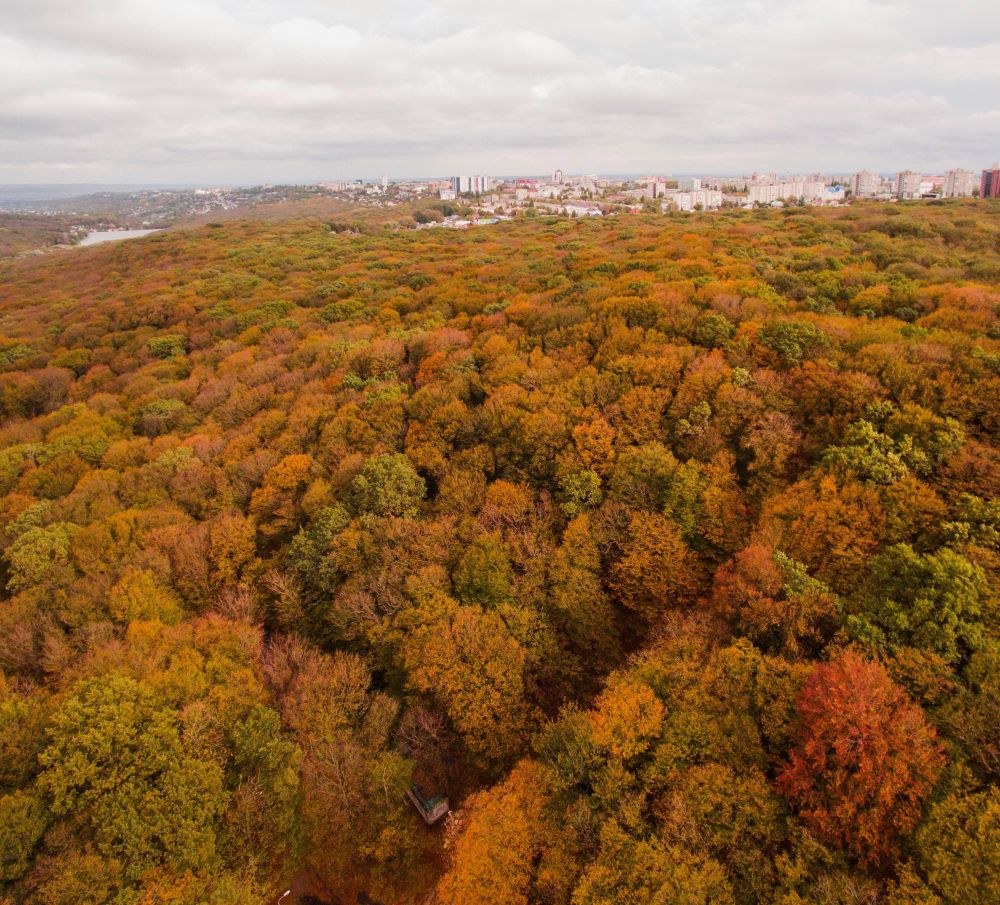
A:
[252,90]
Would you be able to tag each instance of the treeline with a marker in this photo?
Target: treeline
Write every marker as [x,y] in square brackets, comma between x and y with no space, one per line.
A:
[667,547]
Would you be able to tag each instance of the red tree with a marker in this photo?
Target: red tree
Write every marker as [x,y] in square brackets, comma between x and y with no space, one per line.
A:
[864,760]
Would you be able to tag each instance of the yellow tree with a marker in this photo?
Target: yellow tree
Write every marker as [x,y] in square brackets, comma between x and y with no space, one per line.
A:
[656,571]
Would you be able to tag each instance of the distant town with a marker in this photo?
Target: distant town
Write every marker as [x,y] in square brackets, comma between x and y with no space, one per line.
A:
[462,201]
[594,196]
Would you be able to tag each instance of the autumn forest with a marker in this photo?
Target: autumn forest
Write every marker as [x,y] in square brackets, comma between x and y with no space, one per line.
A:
[666,547]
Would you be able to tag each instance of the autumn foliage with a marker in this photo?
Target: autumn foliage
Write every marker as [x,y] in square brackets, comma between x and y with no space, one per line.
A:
[666,547]
[864,758]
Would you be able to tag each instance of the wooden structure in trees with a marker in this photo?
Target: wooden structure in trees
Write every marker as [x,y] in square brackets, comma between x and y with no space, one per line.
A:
[431,809]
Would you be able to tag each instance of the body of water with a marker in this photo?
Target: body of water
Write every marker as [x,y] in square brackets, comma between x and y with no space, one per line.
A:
[115,235]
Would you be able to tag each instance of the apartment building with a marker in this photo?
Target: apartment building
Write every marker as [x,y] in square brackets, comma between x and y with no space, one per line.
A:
[866,184]
[477,185]
[908,185]
[698,199]
[989,183]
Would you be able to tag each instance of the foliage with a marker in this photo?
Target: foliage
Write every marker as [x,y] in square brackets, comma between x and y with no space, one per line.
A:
[571,520]
[389,485]
[864,759]
[115,765]
[932,601]
[959,847]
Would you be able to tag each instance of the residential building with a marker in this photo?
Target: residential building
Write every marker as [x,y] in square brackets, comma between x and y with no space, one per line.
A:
[698,199]
[477,185]
[866,184]
[557,177]
[653,187]
[989,184]
[908,185]
[959,183]
[769,193]
[688,183]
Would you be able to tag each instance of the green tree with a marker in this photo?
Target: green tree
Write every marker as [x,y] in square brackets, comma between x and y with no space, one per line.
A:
[168,345]
[39,556]
[867,455]
[578,492]
[932,600]
[792,341]
[390,486]
[483,575]
[116,766]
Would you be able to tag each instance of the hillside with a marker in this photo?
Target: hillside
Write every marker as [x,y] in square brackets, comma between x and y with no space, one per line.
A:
[666,547]
[20,233]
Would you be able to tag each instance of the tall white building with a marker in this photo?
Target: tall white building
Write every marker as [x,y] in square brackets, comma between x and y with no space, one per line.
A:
[866,184]
[908,184]
[477,185]
[959,183]
[688,183]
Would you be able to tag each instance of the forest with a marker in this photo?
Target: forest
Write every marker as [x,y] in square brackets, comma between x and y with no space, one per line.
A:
[666,547]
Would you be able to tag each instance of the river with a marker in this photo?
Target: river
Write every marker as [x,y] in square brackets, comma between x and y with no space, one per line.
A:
[115,235]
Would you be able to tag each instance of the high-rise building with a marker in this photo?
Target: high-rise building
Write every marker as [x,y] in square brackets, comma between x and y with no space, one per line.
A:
[908,184]
[989,184]
[477,185]
[866,184]
[557,177]
[958,183]
[688,183]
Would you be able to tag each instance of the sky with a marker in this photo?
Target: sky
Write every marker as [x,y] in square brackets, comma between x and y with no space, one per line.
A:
[223,92]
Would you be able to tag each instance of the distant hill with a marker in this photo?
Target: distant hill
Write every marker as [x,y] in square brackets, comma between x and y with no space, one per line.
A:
[27,194]
[30,232]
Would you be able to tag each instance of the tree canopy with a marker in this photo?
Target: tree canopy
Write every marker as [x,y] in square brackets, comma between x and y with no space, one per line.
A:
[666,547]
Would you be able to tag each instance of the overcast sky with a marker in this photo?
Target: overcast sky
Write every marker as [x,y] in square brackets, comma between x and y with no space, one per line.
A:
[245,91]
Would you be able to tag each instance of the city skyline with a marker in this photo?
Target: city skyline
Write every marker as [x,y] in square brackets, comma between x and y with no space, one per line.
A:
[224,92]
[847,176]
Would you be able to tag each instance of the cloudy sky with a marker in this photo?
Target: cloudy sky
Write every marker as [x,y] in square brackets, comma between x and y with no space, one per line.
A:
[229,91]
